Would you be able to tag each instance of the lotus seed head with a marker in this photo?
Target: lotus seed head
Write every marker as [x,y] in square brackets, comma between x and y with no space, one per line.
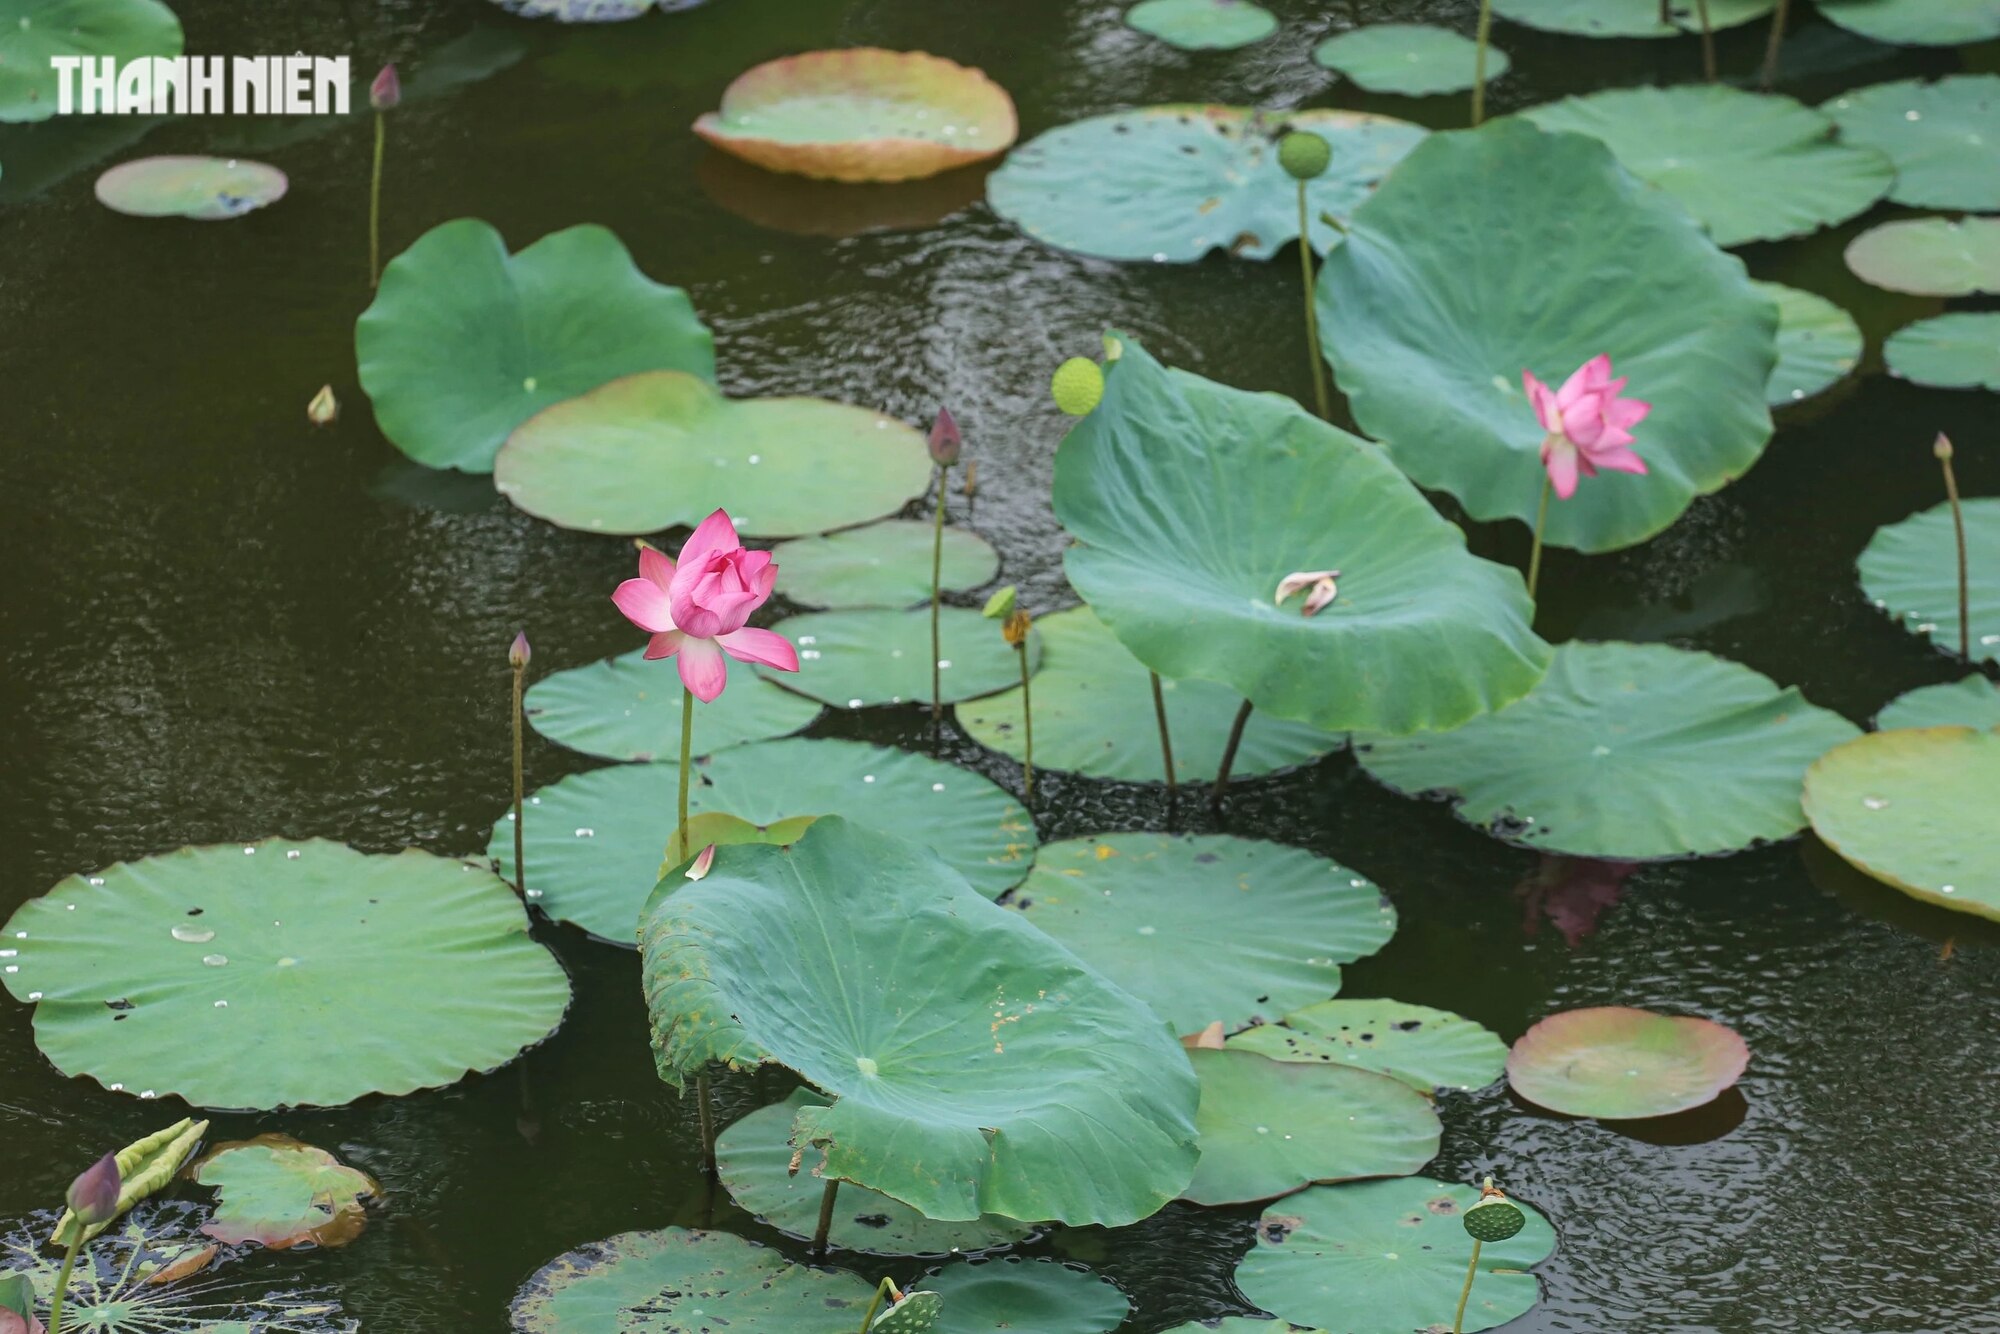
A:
[1304,155]
[1001,605]
[1078,386]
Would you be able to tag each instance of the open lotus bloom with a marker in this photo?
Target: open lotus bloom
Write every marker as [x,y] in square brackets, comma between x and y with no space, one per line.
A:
[1588,424]
[695,608]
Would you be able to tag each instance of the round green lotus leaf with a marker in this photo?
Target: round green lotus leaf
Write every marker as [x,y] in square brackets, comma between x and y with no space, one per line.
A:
[1203,25]
[1616,1063]
[855,659]
[917,1313]
[1819,345]
[1206,927]
[1956,351]
[282,974]
[207,189]
[1094,715]
[886,564]
[1269,1127]
[465,342]
[1419,274]
[663,449]
[1185,572]
[679,1281]
[1910,570]
[1425,1048]
[34,31]
[1930,256]
[1973,702]
[1917,22]
[1410,58]
[627,708]
[969,1055]
[1914,809]
[1942,137]
[1011,1294]
[1627,18]
[1171,183]
[1388,1256]
[595,840]
[279,1193]
[754,1158]
[1627,751]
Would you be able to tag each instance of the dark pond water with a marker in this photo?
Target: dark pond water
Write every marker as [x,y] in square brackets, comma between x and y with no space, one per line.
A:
[221,624]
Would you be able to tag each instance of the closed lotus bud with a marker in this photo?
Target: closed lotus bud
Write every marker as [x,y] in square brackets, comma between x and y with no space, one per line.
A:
[945,442]
[1015,629]
[1303,155]
[386,91]
[1078,386]
[93,1197]
[324,408]
[702,864]
[1942,448]
[518,652]
[1001,604]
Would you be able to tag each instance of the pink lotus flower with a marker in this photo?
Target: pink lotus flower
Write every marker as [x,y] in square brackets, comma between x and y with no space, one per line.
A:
[695,609]
[1588,424]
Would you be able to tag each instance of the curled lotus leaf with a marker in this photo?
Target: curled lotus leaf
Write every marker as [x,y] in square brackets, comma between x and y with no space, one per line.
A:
[207,189]
[279,1192]
[145,1168]
[1615,1062]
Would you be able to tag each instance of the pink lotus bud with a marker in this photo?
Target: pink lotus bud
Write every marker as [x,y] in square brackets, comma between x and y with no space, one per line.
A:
[518,652]
[1942,447]
[386,91]
[324,408]
[93,1197]
[702,864]
[944,439]
[1321,582]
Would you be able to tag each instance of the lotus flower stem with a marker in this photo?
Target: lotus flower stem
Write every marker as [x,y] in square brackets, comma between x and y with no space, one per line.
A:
[825,1227]
[375,203]
[1666,11]
[1535,554]
[937,592]
[1312,317]
[1166,736]
[687,762]
[517,658]
[1027,722]
[1777,40]
[1229,755]
[62,1282]
[707,1115]
[1465,1295]
[1707,42]
[1943,451]
[886,1288]
[1479,63]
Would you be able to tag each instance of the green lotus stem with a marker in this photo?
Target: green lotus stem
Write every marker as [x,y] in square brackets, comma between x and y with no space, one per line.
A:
[1777,41]
[1471,1272]
[1707,42]
[375,204]
[1027,722]
[1535,555]
[62,1283]
[520,854]
[937,591]
[1166,736]
[1479,62]
[707,1115]
[1943,451]
[1312,318]
[1229,755]
[882,1289]
[1666,11]
[687,747]
[825,1227]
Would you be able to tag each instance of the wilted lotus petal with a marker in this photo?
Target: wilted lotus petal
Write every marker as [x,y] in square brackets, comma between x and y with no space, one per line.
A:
[324,409]
[702,864]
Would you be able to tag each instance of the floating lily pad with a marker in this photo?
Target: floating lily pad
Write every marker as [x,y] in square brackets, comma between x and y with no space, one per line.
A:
[1627,18]
[1617,1063]
[207,189]
[1185,572]
[1942,137]
[678,1281]
[1206,927]
[595,840]
[587,11]
[862,114]
[1171,183]
[1012,1294]
[626,708]
[886,564]
[1388,1255]
[1930,256]
[464,342]
[1956,351]
[1973,702]
[663,449]
[1910,569]
[1917,22]
[1420,274]
[1425,1048]
[1627,751]
[282,974]
[33,31]
[1914,809]
[1749,166]
[1094,715]
[1203,25]
[854,659]
[1269,1127]
[978,1067]
[754,1158]
[1242,1324]
[280,1193]
[1410,58]
[1819,345]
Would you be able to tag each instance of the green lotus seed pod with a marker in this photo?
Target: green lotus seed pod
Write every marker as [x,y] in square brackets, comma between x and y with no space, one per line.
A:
[1078,386]
[1303,155]
[916,1314]
[1494,1220]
